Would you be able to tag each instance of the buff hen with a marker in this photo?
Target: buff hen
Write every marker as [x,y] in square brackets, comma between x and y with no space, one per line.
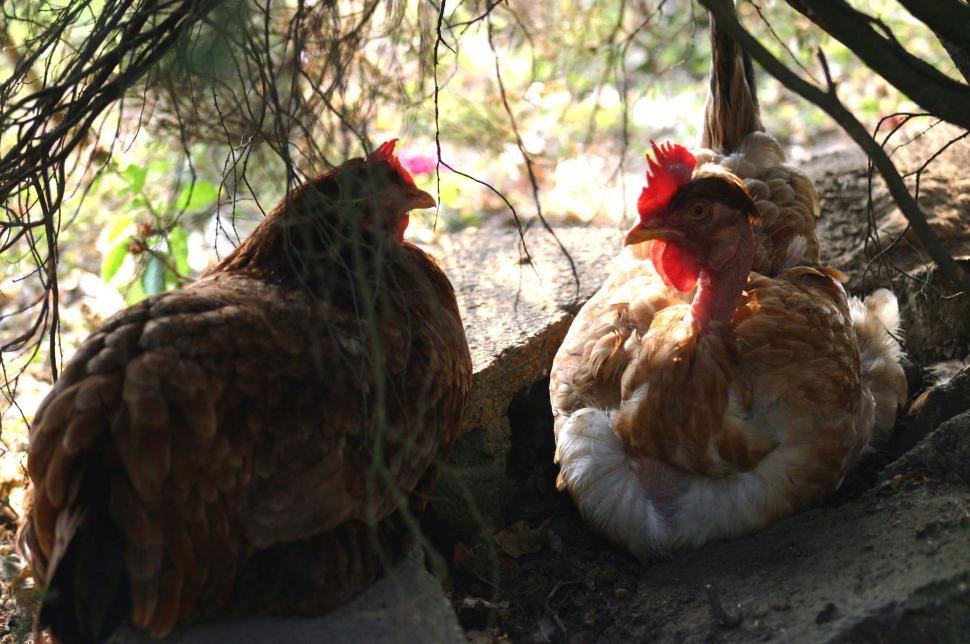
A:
[253,443]
[720,379]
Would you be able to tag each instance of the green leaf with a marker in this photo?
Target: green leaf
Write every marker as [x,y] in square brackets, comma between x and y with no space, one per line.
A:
[135,293]
[178,249]
[153,279]
[96,181]
[160,165]
[197,196]
[113,260]
[119,227]
[135,176]
[170,280]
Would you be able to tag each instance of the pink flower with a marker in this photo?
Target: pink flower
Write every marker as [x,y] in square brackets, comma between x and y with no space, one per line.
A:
[417,162]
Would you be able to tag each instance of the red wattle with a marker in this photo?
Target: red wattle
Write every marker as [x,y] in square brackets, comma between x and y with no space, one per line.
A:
[402,225]
[676,267]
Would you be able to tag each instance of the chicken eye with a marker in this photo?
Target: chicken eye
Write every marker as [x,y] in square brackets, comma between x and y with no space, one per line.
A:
[700,210]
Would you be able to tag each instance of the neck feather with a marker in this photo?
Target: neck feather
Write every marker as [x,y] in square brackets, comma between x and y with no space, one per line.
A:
[719,292]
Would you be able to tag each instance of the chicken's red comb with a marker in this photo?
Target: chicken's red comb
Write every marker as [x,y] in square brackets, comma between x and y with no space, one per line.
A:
[385,153]
[669,171]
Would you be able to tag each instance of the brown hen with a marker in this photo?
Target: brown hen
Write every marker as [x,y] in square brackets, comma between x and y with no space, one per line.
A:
[251,444]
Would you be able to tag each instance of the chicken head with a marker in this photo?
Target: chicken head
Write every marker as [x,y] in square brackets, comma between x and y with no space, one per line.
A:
[695,224]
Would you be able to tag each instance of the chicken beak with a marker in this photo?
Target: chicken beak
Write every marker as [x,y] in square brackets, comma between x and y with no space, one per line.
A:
[645,232]
[421,199]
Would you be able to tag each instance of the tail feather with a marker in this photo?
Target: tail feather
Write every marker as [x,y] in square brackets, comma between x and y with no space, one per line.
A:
[732,110]
[876,322]
[597,472]
[87,594]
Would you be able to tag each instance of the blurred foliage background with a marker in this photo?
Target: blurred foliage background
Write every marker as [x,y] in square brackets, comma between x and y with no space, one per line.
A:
[257,94]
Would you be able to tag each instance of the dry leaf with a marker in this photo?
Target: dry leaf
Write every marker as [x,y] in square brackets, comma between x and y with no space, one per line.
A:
[519,539]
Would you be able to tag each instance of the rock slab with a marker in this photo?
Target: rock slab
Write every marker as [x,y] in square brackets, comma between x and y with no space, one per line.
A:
[516,309]
[404,607]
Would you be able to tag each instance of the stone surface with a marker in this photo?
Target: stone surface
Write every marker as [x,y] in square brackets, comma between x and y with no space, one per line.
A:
[404,607]
[860,238]
[936,321]
[871,244]
[932,407]
[827,574]
[515,316]
[945,452]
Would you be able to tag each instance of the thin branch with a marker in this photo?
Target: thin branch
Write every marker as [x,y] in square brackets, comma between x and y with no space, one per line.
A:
[949,19]
[529,163]
[872,41]
[835,109]
[781,42]
[829,83]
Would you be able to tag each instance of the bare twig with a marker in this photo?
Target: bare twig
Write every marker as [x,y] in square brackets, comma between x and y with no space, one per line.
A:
[721,616]
[835,109]
[552,593]
[949,20]
[529,164]
[51,114]
[873,41]
[829,83]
